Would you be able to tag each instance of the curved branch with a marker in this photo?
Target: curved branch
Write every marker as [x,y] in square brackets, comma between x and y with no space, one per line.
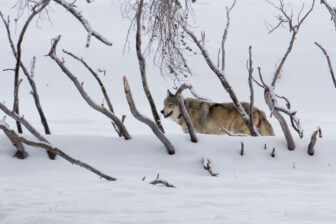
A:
[147,121]
[77,14]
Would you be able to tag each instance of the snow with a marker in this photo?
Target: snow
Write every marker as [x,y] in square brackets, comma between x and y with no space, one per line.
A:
[292,187]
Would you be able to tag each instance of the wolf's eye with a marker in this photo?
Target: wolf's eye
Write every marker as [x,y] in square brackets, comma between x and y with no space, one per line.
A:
[170,104]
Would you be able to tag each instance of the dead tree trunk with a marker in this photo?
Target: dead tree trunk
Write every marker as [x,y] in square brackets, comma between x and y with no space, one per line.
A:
[142,65]
[147,121]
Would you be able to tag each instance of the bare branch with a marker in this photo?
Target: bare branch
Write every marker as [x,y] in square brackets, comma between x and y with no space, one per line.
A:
[329,63]
[95,75]
[221,128]
[142,65]
[270,101]
[250,72]
[17,54]
[226,31]
[35,10]
[78,15]
[56,151]
[293,28]
[207,167]
[27,125]
[147,121]
[331,10]
[159,181]
[90,102]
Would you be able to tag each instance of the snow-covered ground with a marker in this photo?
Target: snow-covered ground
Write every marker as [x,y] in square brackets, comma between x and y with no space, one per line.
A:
[291,188]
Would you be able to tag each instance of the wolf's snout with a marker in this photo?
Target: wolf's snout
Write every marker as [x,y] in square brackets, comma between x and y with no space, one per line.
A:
[162,111]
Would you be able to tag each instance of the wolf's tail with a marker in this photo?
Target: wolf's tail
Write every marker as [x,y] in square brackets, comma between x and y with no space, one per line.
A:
[264,126]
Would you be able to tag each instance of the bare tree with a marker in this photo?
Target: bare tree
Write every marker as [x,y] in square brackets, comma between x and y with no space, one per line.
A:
[17,52]
[147,121]
[80,88]
[38,7]
[270,96]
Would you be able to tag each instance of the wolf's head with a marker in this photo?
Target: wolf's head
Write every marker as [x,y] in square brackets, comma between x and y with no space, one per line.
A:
[171,107]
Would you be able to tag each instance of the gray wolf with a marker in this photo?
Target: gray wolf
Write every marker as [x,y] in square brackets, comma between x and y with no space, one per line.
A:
[208,118]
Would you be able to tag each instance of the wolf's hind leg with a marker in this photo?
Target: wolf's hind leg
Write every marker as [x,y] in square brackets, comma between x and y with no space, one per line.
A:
[202,119]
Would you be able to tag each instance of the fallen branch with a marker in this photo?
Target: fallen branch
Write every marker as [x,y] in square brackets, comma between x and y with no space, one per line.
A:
[147,121]
[207,167]
[221,128]
[56,151]
[158,181]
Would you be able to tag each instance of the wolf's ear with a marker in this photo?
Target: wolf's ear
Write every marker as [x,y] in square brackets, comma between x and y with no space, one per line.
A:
[169,93]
